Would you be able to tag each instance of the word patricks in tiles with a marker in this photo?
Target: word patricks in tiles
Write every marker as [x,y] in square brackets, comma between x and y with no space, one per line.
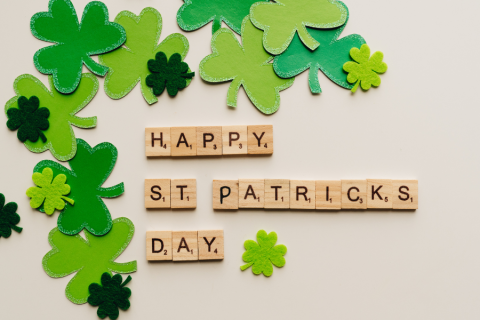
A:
[277,194]
[302,194]
[405,194]
[251,193]
[225,194]
[354,194]
[328,194]
[379,194]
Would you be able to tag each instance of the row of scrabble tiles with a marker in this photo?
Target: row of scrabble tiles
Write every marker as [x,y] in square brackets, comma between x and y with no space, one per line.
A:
[208,141]
[170,193]
[185,245]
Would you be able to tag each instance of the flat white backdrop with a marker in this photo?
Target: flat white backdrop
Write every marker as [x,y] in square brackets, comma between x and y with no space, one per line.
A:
[422,123]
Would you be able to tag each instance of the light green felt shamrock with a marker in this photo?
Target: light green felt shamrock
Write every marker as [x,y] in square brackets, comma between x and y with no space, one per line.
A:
[282,18]
[74,42]
[365,70]
[60,136]
[89,258]
[246,65]
[260,256]
[128,65]
[48,191]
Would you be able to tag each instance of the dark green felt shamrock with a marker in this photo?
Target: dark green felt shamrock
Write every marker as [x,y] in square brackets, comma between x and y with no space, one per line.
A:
[8,218]
[29,119]
[110,296]
[172,74]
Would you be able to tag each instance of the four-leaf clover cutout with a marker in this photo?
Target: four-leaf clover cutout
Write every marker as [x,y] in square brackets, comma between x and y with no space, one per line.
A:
[9,218]
[110,295]
[29,119]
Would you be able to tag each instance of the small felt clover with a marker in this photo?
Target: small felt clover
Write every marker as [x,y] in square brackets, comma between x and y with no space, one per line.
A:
[48,191]
[29,119]
[364,71]
[110,295]
[260,256]
[172,74]
[8,218]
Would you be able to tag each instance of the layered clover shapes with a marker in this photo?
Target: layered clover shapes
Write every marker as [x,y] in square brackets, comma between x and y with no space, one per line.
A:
[29,119]
[110,295]
[9,218]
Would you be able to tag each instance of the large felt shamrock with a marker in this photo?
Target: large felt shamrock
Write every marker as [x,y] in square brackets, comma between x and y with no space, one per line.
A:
[89,170]
[282,18]
[110,296]
[365,69]
[29,119]
[329,57]
[74,42]
[89,258]
[246,65]
[194,14]
[60,136]
[8,218]
[128,65]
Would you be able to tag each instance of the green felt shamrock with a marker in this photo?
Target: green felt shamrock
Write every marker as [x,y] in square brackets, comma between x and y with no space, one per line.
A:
[110,295]
[8,218]
[246,65]
[364,70]
[172,74]
[89,170]
[28,119]
[282,18]
[128,65]
[262,255]
[329,57]
[89,258]
[48,191]
[60,136]
[194,14]
[74,42]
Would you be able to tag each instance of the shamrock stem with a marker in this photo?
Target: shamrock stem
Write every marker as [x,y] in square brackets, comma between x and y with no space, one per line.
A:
[126,281]
[18,229]
[307,39]
[313,79]
[217,24]
[233,93]
[355,86]
[95,67]
[188,75]
[42,136]
[68,200]
[244,267]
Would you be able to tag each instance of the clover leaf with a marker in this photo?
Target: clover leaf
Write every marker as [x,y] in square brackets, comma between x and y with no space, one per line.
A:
[28,119]
[282,18]
[246,65]
[8,218]
[60,136]
[365,70]
[263,254]
[74,42]
[110,295]
[128,65]
[89,170]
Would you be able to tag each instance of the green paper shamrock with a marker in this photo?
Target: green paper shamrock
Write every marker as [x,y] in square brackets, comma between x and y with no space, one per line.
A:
[262,255]
[246,65]
[329,57]
[74,42]
[364,70]
[90,169]
[172,74]
[89,258]
[52,192]
[28,119]
[194,14]
[110,296]
[128,65]
[60,136]
[282,18]
[8,218]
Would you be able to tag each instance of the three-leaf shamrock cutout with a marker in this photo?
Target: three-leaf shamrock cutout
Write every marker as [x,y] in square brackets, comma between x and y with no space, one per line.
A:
[128,65]
[9,218]
[60,138]
[89,258]
[89,170]
[260,256]
[48,191]
[74,42]
[110,295]
[245,66]
[365,70]
[29,119]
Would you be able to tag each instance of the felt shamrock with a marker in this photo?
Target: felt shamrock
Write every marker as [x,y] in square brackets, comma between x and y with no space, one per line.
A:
[364,70]
[110,295]
[194,14]
[282,18]
[246,65]
[8,218]
[48,191]
[61,138]
[89,170]
[329,57]
[28,119]
[74,42]
[172,74]
[262,255]
[128,65]
[89,258]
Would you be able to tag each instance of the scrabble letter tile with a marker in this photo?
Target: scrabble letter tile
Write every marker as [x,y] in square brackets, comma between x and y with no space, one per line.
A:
[405,194]
[157,142]
[157,193]
[379,194]
[209,141]
[328,194]
[184,193]
[185,245]
[184,141]
[234,140]
[225,194]
[354,194]
[260,139]
[251,193]
[210,245]
[277,194]
[302,194]
[159,245]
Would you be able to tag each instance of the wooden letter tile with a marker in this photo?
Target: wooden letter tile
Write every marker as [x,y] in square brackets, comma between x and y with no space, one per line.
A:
[157,142]
[405,194]
[225,194]
[379,194]
[159,245]
[185,245]
[354,194]
[251,193]
[277,194]
[184,141]
[302,194]
[328,194]
[210,245]
[209,141]
[260,139]
[184,193]
[234,140]
[157,193]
